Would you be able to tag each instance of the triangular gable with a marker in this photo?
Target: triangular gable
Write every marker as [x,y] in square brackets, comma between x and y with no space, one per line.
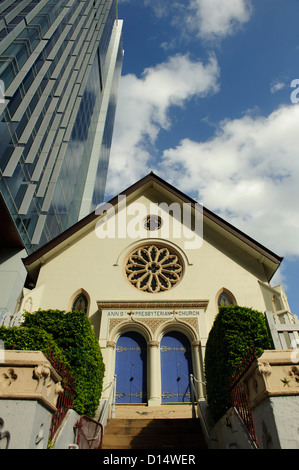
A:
[270,260]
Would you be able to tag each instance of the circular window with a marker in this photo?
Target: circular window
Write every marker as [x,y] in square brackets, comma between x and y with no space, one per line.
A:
[153,268]
[152,222]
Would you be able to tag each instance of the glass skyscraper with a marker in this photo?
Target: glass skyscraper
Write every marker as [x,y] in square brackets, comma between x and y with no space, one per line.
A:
[60,63]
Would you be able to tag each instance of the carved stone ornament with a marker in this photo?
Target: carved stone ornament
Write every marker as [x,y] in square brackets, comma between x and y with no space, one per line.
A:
[42,374]
[4,436]
[153,344]
[271,375]
[28,375]
[264,368]
[153,268]
[9,377]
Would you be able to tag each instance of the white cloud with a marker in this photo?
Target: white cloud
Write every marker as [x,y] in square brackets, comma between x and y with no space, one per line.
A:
[143,109]
[208,19]
[217,18]
[248,173]
[276,86]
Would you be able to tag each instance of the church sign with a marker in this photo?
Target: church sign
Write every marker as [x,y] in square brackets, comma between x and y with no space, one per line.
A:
[152,313]
[144,310]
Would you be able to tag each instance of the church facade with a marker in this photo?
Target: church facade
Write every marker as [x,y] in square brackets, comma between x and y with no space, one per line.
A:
[150,269]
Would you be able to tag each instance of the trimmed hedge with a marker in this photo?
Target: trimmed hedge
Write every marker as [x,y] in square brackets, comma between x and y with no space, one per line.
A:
[69,335]
[235,330]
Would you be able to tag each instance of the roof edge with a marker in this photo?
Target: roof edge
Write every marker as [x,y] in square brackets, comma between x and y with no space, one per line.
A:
[130,190]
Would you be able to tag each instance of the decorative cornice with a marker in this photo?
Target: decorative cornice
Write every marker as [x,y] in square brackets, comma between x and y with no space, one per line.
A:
[133,305]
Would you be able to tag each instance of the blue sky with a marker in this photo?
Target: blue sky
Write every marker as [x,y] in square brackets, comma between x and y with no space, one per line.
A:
[205,102]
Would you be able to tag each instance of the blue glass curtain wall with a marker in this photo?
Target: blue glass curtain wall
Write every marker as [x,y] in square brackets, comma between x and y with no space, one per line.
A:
[55,124]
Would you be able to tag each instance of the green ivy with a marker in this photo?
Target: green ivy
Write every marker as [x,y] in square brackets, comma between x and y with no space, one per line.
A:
[70,335]
[234,332]
[30,339]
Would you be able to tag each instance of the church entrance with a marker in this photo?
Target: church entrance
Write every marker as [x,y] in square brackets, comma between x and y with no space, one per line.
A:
[176,367]
[130,368]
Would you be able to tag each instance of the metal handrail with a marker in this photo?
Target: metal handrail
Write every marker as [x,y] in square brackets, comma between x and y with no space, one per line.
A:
[194,399]
[109,404]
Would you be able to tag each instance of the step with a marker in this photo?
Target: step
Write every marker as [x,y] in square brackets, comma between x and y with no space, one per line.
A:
[162,411]
[153,433]
[159,426]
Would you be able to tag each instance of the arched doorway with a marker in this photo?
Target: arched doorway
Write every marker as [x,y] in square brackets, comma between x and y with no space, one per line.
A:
[131,368]
[176,367]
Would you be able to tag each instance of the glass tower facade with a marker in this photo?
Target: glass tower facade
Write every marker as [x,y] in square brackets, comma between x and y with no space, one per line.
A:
[60,63]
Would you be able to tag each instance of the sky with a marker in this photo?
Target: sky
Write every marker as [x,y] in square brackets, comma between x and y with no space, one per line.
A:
[209,101]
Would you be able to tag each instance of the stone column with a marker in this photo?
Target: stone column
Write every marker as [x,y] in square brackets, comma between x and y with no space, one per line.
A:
[154,381]
[197,370]
[29,389]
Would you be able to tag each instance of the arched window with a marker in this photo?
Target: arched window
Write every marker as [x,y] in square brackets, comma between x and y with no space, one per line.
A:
[80,304]
[225,298]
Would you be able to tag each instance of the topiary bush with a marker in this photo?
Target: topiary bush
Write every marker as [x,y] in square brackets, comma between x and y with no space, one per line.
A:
[73,334]
[235,330]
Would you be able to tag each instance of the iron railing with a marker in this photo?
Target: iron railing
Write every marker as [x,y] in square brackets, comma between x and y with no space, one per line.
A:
[89,433]
[238,396]
[65,400]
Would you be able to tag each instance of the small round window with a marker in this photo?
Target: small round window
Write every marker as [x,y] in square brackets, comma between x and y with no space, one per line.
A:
[153,268]
[153,222]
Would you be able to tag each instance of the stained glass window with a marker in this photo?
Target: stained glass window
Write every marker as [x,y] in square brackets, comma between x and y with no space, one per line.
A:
[80,304]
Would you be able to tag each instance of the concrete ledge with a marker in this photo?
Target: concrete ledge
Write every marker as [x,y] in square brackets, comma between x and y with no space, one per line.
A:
[272,374]
[28,375]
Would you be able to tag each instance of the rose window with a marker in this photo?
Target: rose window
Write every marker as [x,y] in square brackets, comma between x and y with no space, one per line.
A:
[154,268]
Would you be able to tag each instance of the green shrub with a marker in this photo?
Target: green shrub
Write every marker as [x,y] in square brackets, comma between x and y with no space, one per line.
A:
[71,338]
[30,339]
[73,334]
[235,330]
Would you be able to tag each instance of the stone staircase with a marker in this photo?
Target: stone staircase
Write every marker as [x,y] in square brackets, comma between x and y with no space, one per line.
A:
[162,427]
